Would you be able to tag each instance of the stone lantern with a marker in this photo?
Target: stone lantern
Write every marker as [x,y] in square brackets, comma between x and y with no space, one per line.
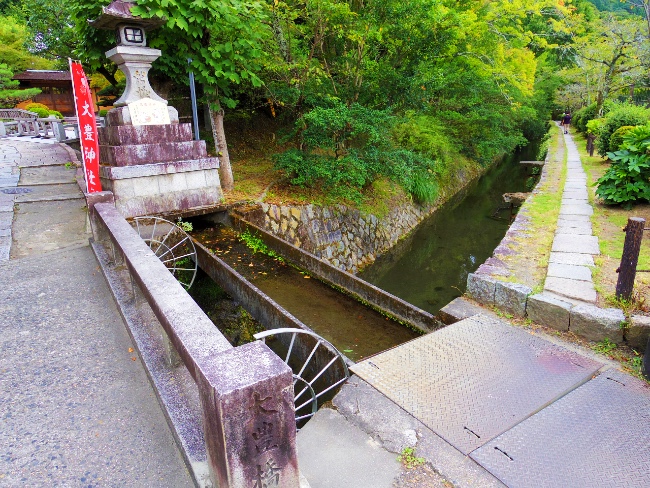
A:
[148,159]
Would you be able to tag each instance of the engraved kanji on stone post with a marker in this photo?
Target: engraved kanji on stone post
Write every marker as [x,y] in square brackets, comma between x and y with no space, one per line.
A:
[249,419]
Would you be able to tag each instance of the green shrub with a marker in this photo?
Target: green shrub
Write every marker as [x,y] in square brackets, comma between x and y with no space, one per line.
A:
[41,112]
[31,106]
[103,112]
[624,114]
[426,135]
[628,179]
[343,149]
[583,116]
[616,140]
[594,126]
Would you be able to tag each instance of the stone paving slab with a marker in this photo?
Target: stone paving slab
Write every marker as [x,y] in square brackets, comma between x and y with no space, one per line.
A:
[557,270]
[5,247]
[578,209]
[573,258]
[563,223]
[47,175]
[581,194]
[576,218]
[580,290]
[43,191]
[80,411]
[8,181]
[574,202]
[578,231]
[6,218]
[575,244]
[65,226]
[334,453]
[596,436]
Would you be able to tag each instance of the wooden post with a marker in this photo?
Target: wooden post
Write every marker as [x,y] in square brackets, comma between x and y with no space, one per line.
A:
[645,366]
[631,248]
[590,143]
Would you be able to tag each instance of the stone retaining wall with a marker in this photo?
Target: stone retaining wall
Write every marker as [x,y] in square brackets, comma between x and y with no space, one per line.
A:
[346,237]
[342,236]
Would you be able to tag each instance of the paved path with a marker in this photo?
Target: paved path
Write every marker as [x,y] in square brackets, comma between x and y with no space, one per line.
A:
[76,406]
[490,405]
[571,259]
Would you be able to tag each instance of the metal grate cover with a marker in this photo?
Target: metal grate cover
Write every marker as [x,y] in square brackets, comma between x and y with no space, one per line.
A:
[473,380]
[597,435]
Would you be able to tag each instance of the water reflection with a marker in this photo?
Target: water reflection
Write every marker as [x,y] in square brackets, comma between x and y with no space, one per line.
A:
[430,268]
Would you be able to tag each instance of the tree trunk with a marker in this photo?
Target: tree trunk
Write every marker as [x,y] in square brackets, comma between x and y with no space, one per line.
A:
[110,77]
[219,135]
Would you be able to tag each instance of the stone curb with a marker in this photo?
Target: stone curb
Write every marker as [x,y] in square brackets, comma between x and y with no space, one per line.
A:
[583,319]
[586,320]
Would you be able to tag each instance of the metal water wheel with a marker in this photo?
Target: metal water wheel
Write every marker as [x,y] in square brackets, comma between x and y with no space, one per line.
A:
[309,379]
[172,245]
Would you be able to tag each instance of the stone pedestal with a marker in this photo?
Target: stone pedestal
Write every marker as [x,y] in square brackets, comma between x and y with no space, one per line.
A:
[154,169]
[148,160]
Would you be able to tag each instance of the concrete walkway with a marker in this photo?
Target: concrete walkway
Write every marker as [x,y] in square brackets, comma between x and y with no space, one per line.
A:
[77,408]
[571,259]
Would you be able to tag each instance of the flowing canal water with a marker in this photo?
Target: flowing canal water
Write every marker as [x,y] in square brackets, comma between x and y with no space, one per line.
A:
[430,267]
[427,269]
[354,328]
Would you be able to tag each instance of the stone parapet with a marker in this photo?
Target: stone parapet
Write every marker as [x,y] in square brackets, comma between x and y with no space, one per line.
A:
[245,393]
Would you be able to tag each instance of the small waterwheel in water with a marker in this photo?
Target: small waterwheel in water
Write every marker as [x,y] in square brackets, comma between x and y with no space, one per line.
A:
[318,367]
[172,245]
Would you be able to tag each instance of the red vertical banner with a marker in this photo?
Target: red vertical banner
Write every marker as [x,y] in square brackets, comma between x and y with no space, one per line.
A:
[87,126]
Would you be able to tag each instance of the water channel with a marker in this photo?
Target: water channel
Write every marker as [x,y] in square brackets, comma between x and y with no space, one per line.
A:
[430,267]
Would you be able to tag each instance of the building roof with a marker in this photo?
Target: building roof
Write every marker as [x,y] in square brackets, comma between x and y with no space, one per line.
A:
[43,75]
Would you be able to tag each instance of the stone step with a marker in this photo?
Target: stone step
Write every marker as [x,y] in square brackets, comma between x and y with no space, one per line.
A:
[151,153]
[144,134]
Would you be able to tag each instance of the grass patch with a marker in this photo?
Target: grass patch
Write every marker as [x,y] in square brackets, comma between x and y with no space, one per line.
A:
[542,209]
[608,222]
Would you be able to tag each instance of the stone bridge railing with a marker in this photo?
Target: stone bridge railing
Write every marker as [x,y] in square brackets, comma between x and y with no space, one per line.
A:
[24,123]
[246,393]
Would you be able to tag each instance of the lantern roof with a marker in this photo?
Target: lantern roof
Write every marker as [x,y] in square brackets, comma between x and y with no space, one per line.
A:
[119,12]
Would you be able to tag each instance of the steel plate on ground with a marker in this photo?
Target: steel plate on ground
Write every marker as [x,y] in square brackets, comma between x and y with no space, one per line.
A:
[597,435]
[473,380]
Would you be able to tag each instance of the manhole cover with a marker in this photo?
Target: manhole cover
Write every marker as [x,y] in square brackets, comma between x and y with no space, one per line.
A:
[17,190]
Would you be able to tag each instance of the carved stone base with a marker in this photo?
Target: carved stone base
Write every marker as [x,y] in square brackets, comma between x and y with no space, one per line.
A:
[159,188]
[122,116]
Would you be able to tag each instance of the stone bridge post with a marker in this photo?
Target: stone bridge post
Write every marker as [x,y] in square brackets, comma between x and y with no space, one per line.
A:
[249,420]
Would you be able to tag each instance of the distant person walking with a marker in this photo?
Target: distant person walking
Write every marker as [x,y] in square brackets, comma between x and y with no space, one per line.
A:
[566,121]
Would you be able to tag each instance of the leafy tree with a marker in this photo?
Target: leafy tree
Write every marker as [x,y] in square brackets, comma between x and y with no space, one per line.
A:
[222,38]
[613,54]
[51,27]
[9,95]
[13,38]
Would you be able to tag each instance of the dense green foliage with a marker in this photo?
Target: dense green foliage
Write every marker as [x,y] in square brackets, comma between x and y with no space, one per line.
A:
[616,141]
[619,116]
[399,89]
[628,179]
